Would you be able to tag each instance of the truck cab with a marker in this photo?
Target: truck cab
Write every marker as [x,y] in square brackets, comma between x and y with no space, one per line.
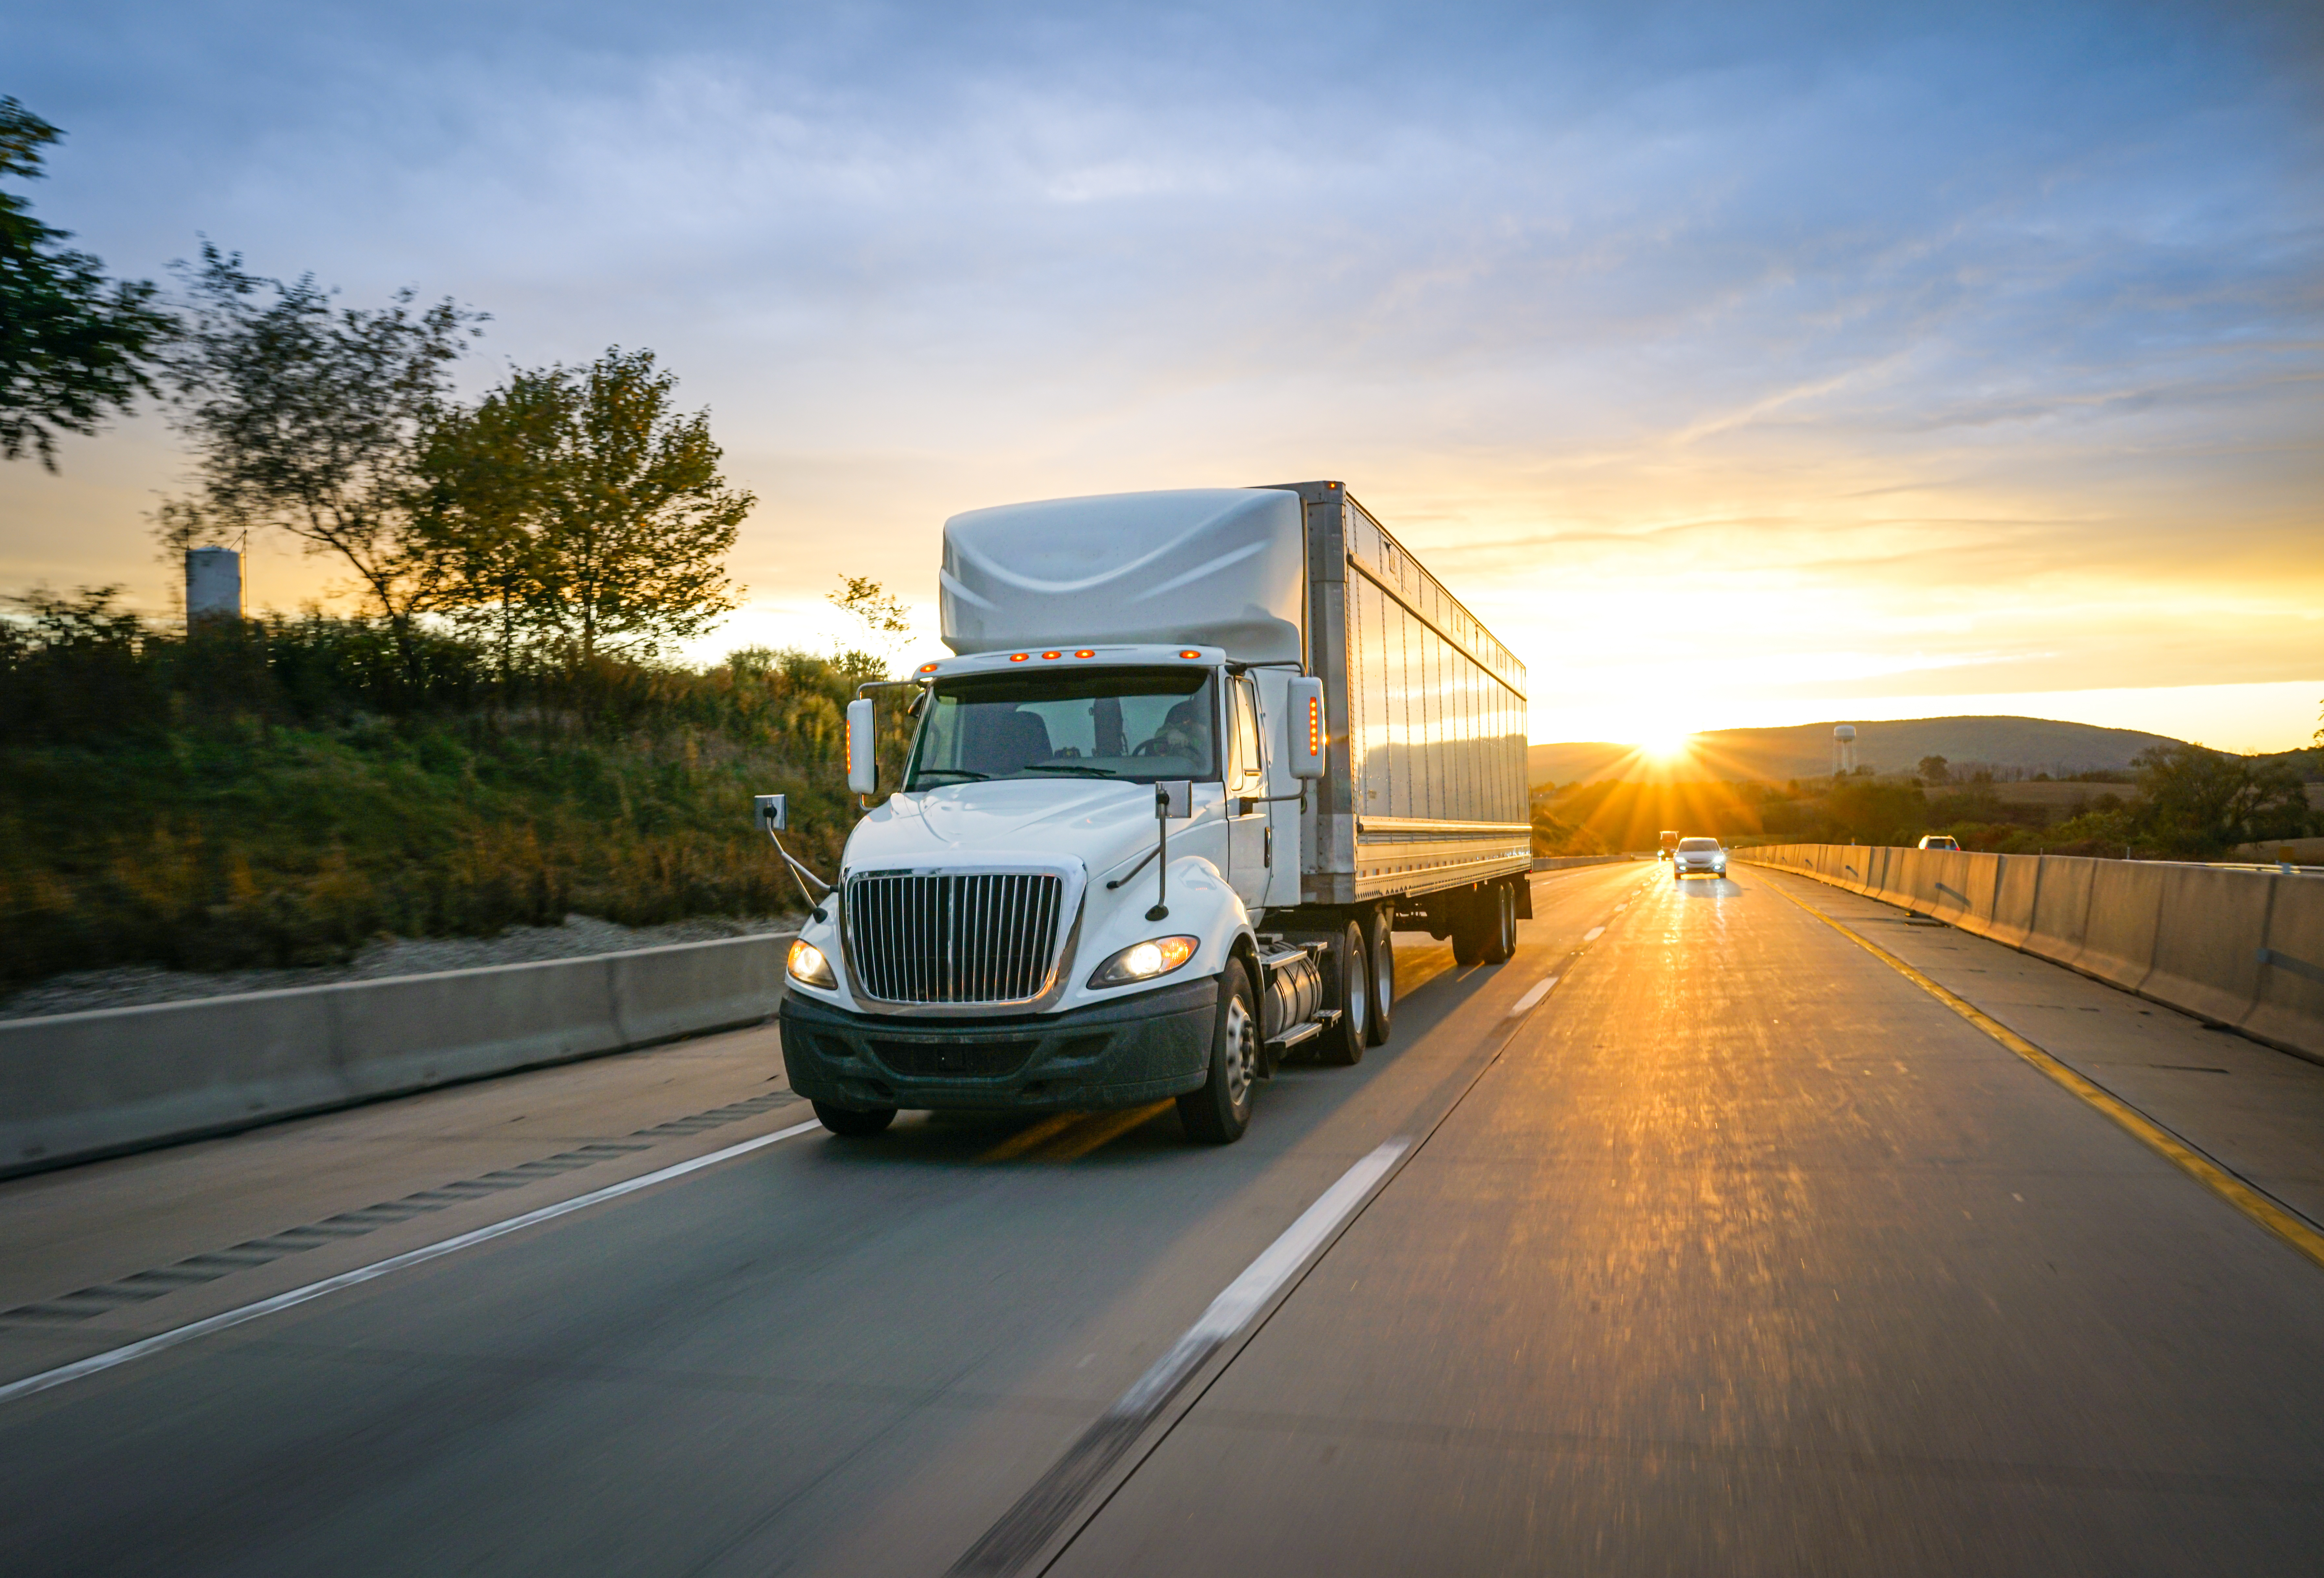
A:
[1093,882]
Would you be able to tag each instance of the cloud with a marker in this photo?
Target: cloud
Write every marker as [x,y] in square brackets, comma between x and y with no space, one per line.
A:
[2007,323]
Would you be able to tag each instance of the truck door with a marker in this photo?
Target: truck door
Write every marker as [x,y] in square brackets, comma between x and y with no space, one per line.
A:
[1248,855]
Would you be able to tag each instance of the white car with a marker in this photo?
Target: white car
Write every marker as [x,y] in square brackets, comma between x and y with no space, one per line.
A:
[1700,855]
[1940,841]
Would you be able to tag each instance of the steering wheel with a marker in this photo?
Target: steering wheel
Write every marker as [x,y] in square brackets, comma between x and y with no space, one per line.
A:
[1157,746]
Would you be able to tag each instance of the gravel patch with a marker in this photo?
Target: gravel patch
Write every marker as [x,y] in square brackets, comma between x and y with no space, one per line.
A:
[131,985]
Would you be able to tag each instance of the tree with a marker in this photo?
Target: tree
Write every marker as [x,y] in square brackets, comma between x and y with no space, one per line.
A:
[1932,769]
[309,418]
[2194,801]
[73,347]
[579,506]
[885,623]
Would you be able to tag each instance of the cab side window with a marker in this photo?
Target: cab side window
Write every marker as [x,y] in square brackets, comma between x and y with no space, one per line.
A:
[1246,773]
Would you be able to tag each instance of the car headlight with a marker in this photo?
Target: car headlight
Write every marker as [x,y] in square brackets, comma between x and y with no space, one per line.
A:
[1144,961]
[809,966]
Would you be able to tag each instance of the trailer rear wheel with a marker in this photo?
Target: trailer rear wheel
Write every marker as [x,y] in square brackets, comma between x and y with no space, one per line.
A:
[1501,940]
[1219,1113]
[1472,926]
[1342,1045]
[1381,957]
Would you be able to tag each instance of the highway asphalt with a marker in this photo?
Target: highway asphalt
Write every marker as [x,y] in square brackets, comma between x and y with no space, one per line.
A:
[1734,1251]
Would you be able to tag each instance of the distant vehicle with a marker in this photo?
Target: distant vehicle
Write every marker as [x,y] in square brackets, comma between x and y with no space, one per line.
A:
[1698,855]
[1670,843]
[1939,841]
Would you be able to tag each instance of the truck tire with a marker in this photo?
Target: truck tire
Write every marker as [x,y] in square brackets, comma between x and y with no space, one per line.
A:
[1501,940]
[1379,960]
[1219,1113]
[1471,926]
[853,1124]
[1351,991]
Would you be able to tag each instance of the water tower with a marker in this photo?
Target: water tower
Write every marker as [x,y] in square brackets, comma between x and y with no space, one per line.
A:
[1843,749]
[213,584]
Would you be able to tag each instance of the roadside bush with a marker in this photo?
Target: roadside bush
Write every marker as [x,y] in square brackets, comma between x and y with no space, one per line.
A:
[282,791]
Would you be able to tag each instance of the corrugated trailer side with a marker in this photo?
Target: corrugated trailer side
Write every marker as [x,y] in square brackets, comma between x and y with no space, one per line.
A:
[1424,787]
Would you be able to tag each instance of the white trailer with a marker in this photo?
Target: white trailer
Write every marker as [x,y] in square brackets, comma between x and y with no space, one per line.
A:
[1197,754]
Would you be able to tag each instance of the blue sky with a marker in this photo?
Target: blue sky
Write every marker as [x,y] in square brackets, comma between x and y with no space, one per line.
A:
[1739,365]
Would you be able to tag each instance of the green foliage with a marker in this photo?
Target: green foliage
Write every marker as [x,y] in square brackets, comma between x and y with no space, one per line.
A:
[280,791]
[2197,803]
[73,346]
[1934,768]
[577,510]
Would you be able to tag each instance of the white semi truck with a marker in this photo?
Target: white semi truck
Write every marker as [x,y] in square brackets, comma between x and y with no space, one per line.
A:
[1197,754]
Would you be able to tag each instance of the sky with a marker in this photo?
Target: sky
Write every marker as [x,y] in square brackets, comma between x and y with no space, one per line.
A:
[1738,365]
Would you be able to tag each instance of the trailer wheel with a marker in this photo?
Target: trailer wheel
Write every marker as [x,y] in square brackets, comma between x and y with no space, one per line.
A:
[1502,941]
[853,1124]
[1219,1113]
[1343,1046]
[1380,956]
[1472,915]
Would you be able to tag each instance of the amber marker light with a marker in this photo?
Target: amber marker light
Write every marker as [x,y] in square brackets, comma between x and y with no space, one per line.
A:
[928,668]
[1020,657]
[1048,657]
[1086,652]
[1190,652]
[1315,726]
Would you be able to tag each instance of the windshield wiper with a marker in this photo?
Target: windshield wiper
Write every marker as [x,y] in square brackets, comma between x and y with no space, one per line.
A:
[1066,767]
[947,773]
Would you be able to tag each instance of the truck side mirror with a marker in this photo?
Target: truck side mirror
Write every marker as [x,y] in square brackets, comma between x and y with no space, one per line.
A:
[771,812]
[1304,749]
[862,767]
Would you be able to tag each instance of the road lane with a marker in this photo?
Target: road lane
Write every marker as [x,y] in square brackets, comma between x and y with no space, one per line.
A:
[1754,1258]
[833,1357]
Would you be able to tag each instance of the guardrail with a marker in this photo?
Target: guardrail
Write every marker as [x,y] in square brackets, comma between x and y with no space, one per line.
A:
[2237,946]
[80,1085]
[1558,863]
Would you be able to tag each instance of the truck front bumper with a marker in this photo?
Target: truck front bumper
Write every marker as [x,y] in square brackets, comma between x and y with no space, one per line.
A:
[1121,1054]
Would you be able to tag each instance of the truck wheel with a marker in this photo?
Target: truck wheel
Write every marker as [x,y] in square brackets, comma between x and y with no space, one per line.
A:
[1471,926]
[1219,1113]
[853,1124]
[1502,941]
[1379,957]
[1343,1046]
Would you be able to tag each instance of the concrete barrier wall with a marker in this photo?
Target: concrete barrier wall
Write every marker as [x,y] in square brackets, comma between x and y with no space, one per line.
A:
[2241,948]
[74,1086]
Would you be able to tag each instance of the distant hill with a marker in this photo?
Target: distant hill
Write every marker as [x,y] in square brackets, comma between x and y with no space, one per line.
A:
[1895,745]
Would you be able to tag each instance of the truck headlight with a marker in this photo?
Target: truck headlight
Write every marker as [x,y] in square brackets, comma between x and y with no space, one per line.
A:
[1146,961]
[807,965]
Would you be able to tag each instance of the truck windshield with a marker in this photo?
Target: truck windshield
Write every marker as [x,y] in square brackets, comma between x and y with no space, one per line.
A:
[1136,725]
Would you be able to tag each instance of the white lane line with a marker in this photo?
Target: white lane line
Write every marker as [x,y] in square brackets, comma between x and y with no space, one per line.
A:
[1533,993]
[1593,934]
[1009,1546]
[146,1347]
[1248,1293]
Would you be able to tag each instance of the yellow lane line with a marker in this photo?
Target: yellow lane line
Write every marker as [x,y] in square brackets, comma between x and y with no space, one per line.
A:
[1110,1127]
[1024,1140]
[2257,1206]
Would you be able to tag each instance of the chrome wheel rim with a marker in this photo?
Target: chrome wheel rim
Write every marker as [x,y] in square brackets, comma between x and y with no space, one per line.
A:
[1242,1050]
[1359,992]
[1384,977]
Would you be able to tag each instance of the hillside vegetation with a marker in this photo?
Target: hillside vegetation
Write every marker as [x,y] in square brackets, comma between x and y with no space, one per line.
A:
[278,791]
[2181,801]
[2003,743]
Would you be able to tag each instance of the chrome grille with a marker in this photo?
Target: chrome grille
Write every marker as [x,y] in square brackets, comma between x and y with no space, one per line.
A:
[980,937]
